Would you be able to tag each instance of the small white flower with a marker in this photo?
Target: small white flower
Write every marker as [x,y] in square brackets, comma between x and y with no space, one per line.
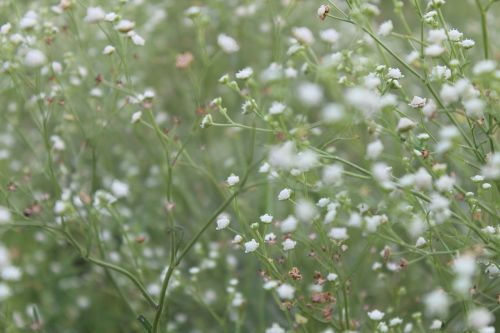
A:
[289,224]
[331,277]
[227,44]
[5,215]
[303,35]
[385,28]
[394,73]
[34,58]
[94,14]
[119,189]
[434,50]
[245,73]
[405,125]
[251,246]
[330,36]
[125,26]
[420,242]
[480,318]
[376,315]
[136,38]
[275,328]
[484,66]
[455,35]
[418,102]
[338,233]
[436,325]
[374,149]
[5,28]
[467,43]
[286,291]
[277,108]
[284,194]
[222,222]
[266,218]
[289,244]
[232,180]
[136,117]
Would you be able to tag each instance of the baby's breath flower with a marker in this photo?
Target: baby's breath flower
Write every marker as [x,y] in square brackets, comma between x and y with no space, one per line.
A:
[94,15]
[251,246]
[34,58]
[125,26]
[376,315]
[303,35]
[289,244]
[266,218]
[385,28]
[467,43]
[232,180]
[227,44]
[245,73]
[284,194]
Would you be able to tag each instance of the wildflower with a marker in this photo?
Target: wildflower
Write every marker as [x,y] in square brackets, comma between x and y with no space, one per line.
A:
[374,149]
[5,215]
[376,315]
[245,73]
[227,44]
[330,36]
[237,239]
[323,11]
[420,242]
[338,233]
[232,180]
[125,26]
[434,50]
[467,43]
[310,94]
[251,246]
[437,303]
[394,73]
[385,28]
[109,49]
[266,218]
[436,36]
[34,58]
[305,210]
[275,328]
[289,224]
[405,125]
[484,67]
[289,244]
[5,28]
[436,324]
[119,189]
[474,108]
[449,94]
[303,35]
[29,20]
[331,277]
[136,117]
[332,174]
[455,35]
[286,291]
[284,194]
[222,222]
[94,14]
[277,108]
[183,60]
[440,73]
[418,102]
[480,318]
[492,168]
[136,38]
[5,292]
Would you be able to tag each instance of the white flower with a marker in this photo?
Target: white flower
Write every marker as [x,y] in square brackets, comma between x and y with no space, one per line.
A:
[330,36]
[136,116]
[119,189]
[227,44]
[275,328]
[34,58]
[29,20]
[303,35]
[374,149]
[376,315]
[277,108]
[310,94]
[5,215]
[385,28]
[418,102]
[467,43]
[284,194]
[305,210]
[232,180]
[464,265]
[94,14]
[394,73]
[331,277]
[5,28]
[111,17]
[437,303]
[474,108]
[289,244]
[405,124]
[270,237]
[136,38]
[289,224]
[484,66]
[436,36]
[440,73]
[11,273]
[125,26]
[4,292]
[251,246]
[332,174]
[445,183]
[455,35]
[266,218]
[436,324]
[222,222]
[420,242]
[449,94]
[338,233]
[323,10]
[434,50]
[245,73]
[286,291]
[479,318]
